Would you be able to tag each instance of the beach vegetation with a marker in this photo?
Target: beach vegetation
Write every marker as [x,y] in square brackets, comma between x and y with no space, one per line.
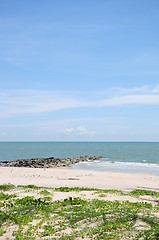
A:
[143,192]
[44,192]
[2,231]
[42,217]
[6,187]
[4,196]
[30,186]
[79,189]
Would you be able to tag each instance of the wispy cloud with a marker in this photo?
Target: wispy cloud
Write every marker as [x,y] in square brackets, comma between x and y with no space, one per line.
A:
[131,99]
[145,89]
[32,102]
[21,102]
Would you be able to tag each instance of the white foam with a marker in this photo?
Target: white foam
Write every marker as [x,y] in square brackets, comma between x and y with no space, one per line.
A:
[102,165]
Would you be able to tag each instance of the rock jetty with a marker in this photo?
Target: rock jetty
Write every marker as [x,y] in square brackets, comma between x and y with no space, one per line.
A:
[50,162]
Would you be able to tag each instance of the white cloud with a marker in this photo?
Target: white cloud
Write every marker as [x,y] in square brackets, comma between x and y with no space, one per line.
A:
[131,99]
[156,89]
[24,102]
[83,131]
[3,134]
[68,130]
[80,130]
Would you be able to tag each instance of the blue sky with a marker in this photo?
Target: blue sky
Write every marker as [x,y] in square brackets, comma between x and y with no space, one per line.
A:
[79,70]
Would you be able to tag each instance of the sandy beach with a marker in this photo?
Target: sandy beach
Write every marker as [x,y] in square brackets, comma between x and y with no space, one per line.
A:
[105,200]
[57,177]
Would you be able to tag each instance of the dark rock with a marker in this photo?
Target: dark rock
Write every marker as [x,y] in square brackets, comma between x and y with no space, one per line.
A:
[48,162]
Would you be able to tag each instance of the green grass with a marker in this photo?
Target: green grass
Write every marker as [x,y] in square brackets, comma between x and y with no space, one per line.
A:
[41,217]
[70,189]
[4,196]
[45,192]
[6,187]
[79,189]
[2,232]
[30,186]
[138,192]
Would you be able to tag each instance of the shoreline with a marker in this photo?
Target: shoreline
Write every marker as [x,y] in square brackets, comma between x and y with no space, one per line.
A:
[85,163]
[68,177]
[123,167]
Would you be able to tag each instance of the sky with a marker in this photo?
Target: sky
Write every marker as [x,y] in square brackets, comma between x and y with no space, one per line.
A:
[79,70]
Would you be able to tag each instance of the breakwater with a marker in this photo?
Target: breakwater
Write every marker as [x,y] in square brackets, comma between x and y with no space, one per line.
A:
[50,162]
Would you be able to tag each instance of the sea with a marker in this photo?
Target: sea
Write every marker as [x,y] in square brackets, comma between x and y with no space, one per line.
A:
[136,157]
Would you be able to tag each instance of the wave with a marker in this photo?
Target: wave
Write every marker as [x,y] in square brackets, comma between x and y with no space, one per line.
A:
[105,165]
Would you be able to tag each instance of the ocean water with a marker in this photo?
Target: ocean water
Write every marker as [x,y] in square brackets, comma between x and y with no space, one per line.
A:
[117,156]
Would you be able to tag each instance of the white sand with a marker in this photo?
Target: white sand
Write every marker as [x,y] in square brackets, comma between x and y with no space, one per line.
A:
[55,177]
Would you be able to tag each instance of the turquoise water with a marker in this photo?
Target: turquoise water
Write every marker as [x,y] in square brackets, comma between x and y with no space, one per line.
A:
[131,156]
